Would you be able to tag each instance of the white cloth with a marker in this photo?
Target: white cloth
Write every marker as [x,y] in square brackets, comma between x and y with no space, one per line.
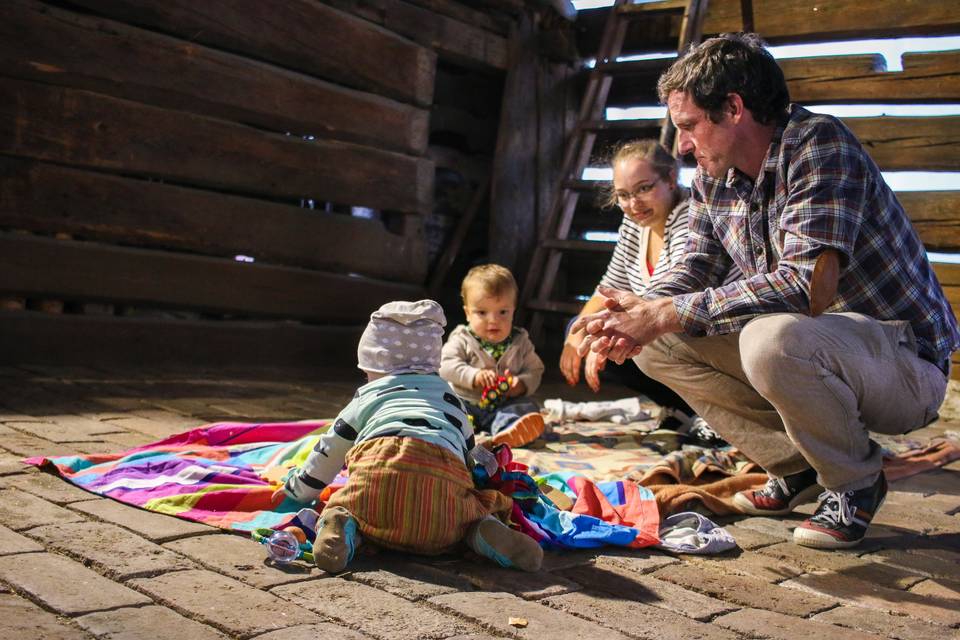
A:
[690,532]
[618,411]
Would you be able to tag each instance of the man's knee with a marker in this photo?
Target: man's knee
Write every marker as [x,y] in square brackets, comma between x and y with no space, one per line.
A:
[767,344]
[653,356]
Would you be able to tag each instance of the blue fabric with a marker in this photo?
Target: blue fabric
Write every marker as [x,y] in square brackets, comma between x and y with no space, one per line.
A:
[496,420]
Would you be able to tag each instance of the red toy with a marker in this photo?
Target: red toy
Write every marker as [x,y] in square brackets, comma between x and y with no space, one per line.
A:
[496,393]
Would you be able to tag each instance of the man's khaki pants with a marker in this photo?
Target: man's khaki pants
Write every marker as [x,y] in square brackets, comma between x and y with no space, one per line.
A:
[794,392]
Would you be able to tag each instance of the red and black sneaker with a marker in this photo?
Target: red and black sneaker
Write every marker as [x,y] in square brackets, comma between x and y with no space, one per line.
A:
[842,518]
[781,495]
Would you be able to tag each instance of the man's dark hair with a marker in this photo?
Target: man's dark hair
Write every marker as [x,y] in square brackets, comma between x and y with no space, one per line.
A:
[730,63]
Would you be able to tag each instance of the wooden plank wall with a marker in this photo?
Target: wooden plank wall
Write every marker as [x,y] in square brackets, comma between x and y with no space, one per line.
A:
[896,143]
[145,145]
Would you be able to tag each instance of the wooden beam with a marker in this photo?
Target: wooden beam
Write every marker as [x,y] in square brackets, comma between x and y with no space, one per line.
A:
[47,198]
[75,127]
[936,217]
[299,34]
[48,45]
[449,37]
[921,144]
[863,78]
[38,267]
[458,11]
[783,21]
[37,338]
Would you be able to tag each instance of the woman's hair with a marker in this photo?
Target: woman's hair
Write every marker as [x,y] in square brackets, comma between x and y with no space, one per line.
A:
[491,279]
[648,150]
[731,63]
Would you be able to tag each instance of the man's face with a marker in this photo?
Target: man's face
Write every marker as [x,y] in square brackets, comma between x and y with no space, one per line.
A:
[711,143]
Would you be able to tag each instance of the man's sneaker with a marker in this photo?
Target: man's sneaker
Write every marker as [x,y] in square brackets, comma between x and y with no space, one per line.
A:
[780,496]
[525,430]
[673,420]
[842,518]
[703,435]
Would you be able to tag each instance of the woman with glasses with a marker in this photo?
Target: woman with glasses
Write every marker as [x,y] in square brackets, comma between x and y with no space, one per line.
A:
[652,238]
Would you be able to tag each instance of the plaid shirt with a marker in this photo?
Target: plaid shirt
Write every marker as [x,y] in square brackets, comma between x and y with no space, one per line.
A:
[818,189]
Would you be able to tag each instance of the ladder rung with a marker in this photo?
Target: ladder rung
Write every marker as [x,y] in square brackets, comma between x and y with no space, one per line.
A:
[579,245]
[553,306]
[652,8]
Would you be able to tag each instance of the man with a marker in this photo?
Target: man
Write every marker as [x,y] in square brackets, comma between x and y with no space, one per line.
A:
[777,187]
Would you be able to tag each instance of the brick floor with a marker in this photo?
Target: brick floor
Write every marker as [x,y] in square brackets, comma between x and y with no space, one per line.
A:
[874,596]
[155,527]
[635,618]
[137,623]
[374,612]
[886,624]
[111,550]
[73,565]
[494,610]
[20,618]
[223,602]
[745,591]
[63,585]
[238,557]
[758,623]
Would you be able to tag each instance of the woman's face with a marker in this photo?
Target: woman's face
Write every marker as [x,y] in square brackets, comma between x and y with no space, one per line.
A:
[641,193]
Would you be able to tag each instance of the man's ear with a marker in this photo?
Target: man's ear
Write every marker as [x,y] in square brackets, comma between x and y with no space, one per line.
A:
[735,107]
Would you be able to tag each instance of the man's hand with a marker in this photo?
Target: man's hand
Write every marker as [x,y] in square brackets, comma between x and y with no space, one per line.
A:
[278,496]
[484,379]
[628,323]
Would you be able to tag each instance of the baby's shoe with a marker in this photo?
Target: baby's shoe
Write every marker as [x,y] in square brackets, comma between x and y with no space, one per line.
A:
[525,430]
[508,548]
[337,539]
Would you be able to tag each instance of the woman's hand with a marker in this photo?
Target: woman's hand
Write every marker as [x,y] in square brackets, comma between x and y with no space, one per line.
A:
[595,363]
[570,360]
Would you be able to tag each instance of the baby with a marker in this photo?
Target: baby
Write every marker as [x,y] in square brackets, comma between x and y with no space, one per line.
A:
[488,347]
[405,438]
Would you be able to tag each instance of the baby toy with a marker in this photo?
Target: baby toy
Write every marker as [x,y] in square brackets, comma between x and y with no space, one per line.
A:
[284,546]
[495,394]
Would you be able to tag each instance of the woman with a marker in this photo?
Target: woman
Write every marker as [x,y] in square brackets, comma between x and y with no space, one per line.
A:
[652,238]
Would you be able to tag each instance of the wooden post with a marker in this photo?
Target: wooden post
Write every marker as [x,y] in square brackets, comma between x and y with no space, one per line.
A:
[513,197]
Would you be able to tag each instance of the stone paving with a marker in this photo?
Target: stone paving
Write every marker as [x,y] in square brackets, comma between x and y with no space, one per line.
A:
[73,565]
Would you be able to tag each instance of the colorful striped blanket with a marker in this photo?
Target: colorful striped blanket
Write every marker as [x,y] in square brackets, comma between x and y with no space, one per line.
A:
[224,475]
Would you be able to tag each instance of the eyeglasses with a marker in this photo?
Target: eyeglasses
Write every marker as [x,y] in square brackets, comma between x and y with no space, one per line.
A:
[623,197]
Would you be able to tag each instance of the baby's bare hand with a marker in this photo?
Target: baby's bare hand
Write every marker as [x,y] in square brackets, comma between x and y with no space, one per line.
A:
[485,378]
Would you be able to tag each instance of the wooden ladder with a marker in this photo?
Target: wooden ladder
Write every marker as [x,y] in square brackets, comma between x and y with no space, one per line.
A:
[554,238]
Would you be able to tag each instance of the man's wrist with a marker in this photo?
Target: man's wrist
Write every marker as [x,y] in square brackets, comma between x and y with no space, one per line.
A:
[668,320]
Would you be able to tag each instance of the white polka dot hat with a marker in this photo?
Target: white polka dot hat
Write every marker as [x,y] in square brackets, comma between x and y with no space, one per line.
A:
[403,337]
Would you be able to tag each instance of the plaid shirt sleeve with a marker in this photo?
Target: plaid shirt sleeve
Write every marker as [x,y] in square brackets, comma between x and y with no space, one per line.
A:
[820,199]
[704,259]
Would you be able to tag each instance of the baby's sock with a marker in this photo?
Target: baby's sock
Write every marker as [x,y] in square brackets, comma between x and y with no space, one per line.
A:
[508,548]
[337,539]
